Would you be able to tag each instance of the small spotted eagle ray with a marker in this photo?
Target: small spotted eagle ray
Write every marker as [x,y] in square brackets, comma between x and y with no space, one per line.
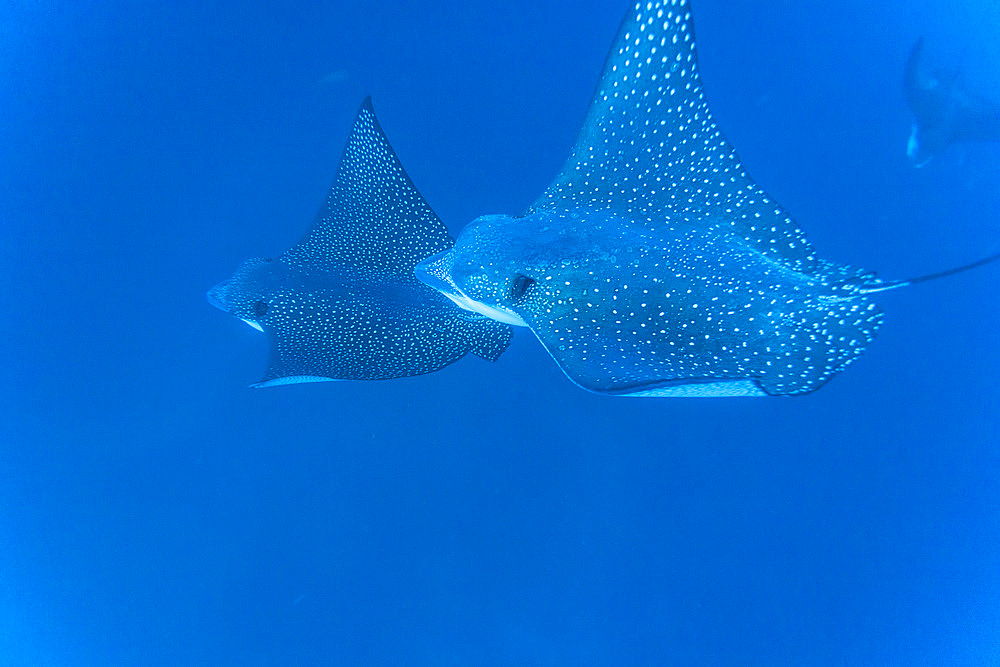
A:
[653,265]
[944,111]
[343,303]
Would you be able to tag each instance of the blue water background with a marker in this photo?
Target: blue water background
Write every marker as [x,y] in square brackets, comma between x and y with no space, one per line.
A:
[153,510]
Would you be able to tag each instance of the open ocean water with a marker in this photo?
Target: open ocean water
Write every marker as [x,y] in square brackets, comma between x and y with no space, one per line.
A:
[156,511]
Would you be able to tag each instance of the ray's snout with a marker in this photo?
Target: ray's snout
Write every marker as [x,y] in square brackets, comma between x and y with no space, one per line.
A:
[217,295]
[438,272]
[433,272]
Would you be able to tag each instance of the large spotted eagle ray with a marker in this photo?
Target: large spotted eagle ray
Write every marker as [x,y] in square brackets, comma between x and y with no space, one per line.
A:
[653,265]
[343,303]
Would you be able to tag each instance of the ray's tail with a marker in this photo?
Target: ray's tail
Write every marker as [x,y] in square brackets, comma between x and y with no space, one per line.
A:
[896,284]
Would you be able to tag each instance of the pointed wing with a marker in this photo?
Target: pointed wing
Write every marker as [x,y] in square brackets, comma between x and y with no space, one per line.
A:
[913,75]
[374,219]
[650,150]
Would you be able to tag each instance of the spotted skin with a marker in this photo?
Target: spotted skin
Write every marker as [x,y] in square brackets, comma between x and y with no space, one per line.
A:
[653,265]
[343,303]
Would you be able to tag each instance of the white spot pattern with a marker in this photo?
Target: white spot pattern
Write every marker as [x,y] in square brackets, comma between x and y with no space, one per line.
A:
[650,150]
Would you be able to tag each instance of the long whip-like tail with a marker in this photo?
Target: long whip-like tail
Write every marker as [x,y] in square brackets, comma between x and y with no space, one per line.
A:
[896,284]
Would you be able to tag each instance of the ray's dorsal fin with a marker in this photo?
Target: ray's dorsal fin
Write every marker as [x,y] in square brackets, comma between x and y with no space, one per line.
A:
[650,149]
[374,218]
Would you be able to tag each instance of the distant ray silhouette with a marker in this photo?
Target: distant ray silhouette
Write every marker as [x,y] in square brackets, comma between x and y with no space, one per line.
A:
[653,265]
[343,304]
[944,111]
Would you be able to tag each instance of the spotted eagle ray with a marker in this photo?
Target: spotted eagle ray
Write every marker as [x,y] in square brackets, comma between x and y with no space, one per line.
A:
[343,303]
[653,265]
[944,112]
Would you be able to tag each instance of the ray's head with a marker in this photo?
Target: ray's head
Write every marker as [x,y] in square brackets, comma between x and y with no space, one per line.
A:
[249,292]
[483,272]
[508,268]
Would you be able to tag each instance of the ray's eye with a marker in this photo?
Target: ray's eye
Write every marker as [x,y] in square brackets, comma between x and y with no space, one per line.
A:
[519,287]
[259,309]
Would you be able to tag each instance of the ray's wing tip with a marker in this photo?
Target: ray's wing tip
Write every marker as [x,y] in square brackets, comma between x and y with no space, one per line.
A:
[290,379]
[366,111]
[913,76]
[749,387]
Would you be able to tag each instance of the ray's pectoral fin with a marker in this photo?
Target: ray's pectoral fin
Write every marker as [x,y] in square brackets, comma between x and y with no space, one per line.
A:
[650,149]
[374,219]
[750,352]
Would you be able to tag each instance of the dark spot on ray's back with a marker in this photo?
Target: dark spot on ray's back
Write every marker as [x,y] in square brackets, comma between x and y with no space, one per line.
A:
[344,303]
